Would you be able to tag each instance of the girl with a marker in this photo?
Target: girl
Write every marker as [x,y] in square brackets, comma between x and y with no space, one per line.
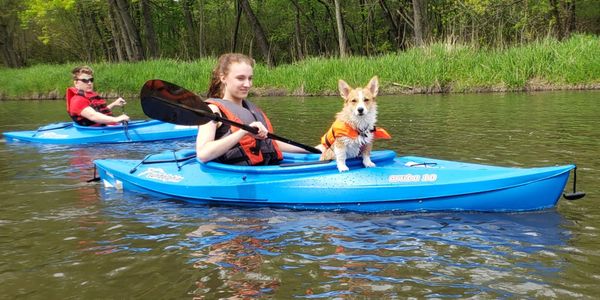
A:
[231,81]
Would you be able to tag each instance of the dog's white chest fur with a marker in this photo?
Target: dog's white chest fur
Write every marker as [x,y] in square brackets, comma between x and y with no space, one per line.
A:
[355,146]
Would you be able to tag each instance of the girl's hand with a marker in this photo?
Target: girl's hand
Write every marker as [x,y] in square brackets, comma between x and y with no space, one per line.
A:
[262,130]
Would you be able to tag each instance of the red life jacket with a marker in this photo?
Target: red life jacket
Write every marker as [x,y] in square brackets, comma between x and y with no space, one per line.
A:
[249,151]
[340,128]
[95,101]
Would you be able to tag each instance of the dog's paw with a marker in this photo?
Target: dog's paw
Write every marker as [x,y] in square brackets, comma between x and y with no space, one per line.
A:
[369,164]
[343,168]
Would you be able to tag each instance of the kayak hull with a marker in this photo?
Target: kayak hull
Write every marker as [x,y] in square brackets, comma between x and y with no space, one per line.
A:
[407,184]
[71,133]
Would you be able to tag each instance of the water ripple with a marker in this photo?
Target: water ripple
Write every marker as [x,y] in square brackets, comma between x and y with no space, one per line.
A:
[64,238]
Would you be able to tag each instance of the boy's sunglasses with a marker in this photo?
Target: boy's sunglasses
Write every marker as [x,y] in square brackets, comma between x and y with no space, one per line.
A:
[86,80]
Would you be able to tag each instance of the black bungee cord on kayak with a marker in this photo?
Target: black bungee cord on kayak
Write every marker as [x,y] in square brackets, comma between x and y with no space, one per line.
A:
[126,125]
[180,161]
[177,160]
[46,128]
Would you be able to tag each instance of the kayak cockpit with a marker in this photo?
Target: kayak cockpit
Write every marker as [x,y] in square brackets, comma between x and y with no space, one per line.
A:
[120,126]
[295,162]
[291,163]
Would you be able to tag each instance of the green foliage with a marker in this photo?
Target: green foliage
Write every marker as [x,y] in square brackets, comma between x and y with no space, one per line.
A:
[439,67]
[47,14]
[59,31]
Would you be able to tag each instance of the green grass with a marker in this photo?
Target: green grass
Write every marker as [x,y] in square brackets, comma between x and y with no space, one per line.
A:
[439,67]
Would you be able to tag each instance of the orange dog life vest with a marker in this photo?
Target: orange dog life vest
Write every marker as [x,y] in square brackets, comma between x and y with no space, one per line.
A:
[340,128]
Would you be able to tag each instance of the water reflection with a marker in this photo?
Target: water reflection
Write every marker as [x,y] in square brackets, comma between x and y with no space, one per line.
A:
[242,253]
[64,238]
[234,261]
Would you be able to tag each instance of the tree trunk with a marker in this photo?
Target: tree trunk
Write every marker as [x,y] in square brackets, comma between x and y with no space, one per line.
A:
[115,33]
[322,35]
[201,39]
[259,33]
[557,20]
[9,53]
[364,34]
[340,29]
[418,21]
[190,29]
[85,54]
[133,37]
[298,31]
[149,33]
[570,22]
[98,20]
[238,17]
[394,28]
[120,31]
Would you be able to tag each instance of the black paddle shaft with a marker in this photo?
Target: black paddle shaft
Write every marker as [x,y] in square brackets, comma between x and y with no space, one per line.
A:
[170,103]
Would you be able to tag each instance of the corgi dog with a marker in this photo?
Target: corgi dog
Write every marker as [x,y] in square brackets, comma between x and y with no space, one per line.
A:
[354,130]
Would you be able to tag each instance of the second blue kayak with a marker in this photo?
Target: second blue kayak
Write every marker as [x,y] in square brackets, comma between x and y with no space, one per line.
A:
[72,133]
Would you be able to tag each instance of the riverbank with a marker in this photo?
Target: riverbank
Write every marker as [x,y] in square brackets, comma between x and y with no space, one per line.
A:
[440,68]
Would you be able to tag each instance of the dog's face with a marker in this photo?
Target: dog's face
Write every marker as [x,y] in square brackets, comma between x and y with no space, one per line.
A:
[359,101]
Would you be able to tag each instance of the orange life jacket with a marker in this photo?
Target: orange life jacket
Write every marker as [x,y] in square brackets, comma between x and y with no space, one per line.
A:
[340,128]
[249,151]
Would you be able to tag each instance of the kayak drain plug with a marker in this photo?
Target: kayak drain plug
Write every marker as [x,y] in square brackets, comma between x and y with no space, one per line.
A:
[575,194]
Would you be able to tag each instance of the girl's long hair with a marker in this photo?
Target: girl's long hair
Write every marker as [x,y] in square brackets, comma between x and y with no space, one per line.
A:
[215,89]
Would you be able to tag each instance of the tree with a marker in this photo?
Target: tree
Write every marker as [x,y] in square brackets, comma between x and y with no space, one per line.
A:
[259,33]
[129,30]
[340,29]
[238,18]
[116,36]
[190,29]
[149,33]
[9,31]
[297,31]
[57,31]
[418,21]
[395,30]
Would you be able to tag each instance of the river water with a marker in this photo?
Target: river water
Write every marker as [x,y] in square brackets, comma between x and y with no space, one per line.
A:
[64,238]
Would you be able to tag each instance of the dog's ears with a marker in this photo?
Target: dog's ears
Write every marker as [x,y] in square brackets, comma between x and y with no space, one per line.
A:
[344,88]
[373,85]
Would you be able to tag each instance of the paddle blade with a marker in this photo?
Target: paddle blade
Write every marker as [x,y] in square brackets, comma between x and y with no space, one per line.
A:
[170,103]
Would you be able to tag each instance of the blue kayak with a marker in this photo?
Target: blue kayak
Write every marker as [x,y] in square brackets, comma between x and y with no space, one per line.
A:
[72,133]
[406,184]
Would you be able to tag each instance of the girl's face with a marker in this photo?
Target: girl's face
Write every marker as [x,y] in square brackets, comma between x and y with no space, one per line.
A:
[237,82]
